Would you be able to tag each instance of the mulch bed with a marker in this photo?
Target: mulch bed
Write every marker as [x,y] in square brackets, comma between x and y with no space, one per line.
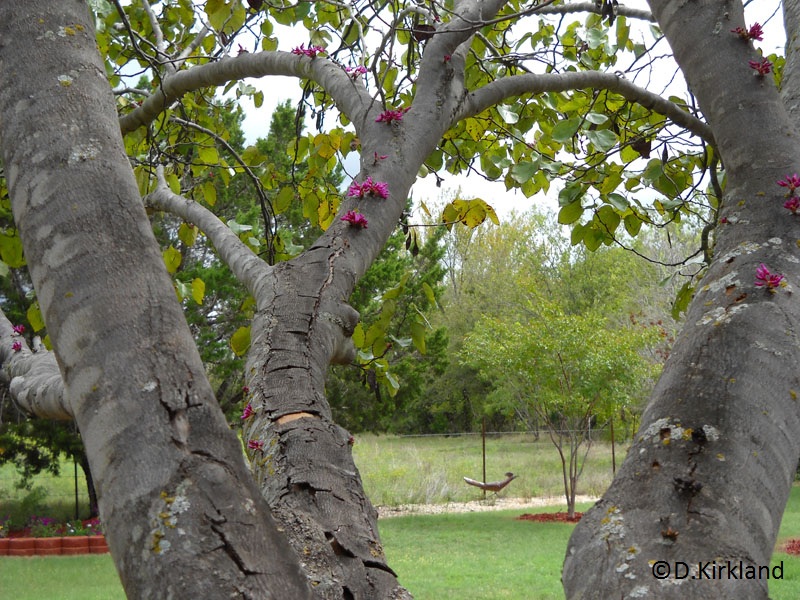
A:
[792,547]
[556,517]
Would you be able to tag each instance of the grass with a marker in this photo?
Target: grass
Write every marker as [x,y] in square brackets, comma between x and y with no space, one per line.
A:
[475,556]
[429,470]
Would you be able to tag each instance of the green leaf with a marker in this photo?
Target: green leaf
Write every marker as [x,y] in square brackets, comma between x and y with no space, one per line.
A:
[217,12]
[507,114]
[358,335]
[682,299]
[632,224]
[428,290]
[564,130]
[198,290]
[570,213]
[34,315]
[602,139]
[172,259]
[283,199]
[524,171]
[240,341]
[187,234]
[418,329]
[11,250]
[209,192]
[596,118]
[238,228]
[618,201]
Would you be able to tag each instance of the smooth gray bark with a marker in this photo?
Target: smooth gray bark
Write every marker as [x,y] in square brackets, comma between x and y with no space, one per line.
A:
[710,471]
[182,515]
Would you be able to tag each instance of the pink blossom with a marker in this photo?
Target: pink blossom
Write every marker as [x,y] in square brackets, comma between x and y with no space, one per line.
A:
[723,220]
[379,157]
[761,67]
[19,329]
[255,444]
[354,72]
[389,116]
[766,279]
[790,181]
[792,204]
[310,52]
[16,346]
[248,411]
[245,390]
[242,50]
[375,188]
[754,33]
[356,219]
[447,58]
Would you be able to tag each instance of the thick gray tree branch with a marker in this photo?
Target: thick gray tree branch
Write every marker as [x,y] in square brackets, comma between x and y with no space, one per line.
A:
[584,7]
[245,265]
[350,96]
[532,83]
[33,378]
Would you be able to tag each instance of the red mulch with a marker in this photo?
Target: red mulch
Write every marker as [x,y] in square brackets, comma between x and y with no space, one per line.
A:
[556,517]
[792,547]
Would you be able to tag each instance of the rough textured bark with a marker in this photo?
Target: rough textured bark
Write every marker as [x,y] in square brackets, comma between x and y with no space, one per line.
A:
[183,517]
[709,473]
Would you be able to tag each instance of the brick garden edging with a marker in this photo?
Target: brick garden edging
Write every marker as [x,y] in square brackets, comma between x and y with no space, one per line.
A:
[53,546]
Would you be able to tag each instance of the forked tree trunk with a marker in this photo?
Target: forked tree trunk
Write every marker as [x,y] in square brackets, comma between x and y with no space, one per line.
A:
[710,470]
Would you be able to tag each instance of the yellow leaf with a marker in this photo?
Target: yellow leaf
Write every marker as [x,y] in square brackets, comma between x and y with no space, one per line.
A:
[172,259]
[198,290]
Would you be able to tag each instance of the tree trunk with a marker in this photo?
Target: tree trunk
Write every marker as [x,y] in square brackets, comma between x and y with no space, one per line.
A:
[94,506]
[710,470]
[182,515]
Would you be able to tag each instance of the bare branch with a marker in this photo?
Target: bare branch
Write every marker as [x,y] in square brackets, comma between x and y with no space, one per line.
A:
[245,265]
[350,96]
[518,85]
[584,7]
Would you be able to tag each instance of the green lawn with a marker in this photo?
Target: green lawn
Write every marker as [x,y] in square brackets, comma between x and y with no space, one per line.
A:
[475,556]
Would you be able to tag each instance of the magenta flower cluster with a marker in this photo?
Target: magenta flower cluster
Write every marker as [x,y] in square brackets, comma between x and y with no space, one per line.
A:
[310,52]
[354,72]
[390,116]
[356,219]
[761,67]
[792,184]
[373,188]
[16,345]
[255,444]
[248,411]
[754,33]
[766,279]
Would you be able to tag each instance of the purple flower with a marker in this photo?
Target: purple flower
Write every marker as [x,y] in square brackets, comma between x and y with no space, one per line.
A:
[754,33]
[792,204]
[248,411]
[766,279]
[354,72]
[310,52]
[356,219]
[16,346]
[790,181]
[374,188]
[255,444]
[390,116]
[761,67]
[19,329]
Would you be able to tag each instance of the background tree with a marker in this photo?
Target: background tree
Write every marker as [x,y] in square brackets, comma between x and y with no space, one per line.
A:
[490,85]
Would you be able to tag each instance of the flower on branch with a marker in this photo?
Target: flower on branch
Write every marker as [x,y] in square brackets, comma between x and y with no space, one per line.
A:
[768,280]
[255,444]
[19,329]
[310,52]
[354,72]
[761,67]
[356,219]
[790,181]
[248,411]
[754,33]
[792,204]
[16,346]
[374,188]
[390,116]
